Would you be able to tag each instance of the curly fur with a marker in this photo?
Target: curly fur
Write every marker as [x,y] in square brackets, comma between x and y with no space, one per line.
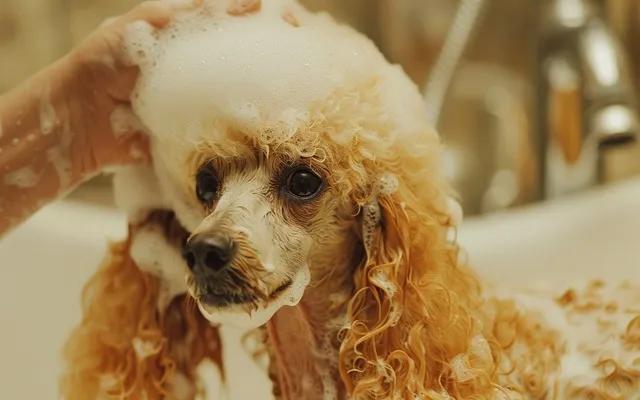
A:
[125,348]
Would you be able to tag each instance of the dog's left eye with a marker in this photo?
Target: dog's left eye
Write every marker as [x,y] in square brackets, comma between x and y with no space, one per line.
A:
[303,183]
[206,186]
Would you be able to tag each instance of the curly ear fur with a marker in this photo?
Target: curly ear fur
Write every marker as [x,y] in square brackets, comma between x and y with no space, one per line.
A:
[125,348]
[415,308]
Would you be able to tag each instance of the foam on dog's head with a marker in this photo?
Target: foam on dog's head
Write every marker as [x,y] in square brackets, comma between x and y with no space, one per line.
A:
[257,70]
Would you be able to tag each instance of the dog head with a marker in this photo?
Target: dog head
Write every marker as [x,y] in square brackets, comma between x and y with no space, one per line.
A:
[289,152]
[267,146]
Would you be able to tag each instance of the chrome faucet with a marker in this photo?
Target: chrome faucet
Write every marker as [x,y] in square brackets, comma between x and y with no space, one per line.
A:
[585,97]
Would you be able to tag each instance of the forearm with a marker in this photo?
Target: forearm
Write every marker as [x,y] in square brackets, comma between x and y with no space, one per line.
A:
[36,164]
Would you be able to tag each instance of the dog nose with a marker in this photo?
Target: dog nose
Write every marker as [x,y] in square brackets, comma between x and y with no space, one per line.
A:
[208,252]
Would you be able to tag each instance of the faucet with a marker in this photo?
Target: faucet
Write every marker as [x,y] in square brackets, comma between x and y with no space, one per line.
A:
[585,97]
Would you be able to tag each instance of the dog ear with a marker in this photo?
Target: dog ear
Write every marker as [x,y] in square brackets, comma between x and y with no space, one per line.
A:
[126,348]
[414,306]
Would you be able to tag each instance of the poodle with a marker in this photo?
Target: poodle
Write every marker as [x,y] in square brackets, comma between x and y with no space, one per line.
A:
[296,190]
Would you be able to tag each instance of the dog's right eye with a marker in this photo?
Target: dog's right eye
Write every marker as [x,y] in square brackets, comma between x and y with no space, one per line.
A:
[207,185]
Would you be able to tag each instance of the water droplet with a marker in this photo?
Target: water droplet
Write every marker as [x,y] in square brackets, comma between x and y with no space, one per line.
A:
[31,137]
[15,141]
[223,58]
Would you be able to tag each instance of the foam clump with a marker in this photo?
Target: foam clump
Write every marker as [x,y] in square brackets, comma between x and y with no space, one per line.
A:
[257,70]
[24,177]
[388,184]
[153,254]
[48,117]
[136,191]
[143,348]
[381,280]
[370,221]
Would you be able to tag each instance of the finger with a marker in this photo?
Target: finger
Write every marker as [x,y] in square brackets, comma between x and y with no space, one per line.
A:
[108,22]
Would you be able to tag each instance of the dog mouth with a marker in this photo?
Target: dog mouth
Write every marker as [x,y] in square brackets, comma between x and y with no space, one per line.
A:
[220,298]
[254,313]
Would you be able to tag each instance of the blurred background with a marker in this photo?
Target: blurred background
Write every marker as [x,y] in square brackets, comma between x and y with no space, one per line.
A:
[535,99]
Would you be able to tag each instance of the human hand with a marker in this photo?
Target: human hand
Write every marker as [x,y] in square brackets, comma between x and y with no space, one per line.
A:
[56,128]
[101,87]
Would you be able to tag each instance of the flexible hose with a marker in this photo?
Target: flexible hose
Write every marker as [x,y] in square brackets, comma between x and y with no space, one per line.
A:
[465,21]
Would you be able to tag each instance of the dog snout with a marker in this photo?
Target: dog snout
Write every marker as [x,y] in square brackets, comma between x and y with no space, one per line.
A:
[208,253]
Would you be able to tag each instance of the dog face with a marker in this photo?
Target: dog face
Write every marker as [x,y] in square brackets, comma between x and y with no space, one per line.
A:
[266,156]
[264,219]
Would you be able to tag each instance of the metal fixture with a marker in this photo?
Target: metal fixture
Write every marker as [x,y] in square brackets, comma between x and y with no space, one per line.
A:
[465,22]
[585,97]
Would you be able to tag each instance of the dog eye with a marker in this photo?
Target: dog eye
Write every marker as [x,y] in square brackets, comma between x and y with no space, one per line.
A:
[303,183]
[206,185]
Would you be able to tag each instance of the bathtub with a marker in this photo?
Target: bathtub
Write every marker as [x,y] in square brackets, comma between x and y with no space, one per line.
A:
[45,262]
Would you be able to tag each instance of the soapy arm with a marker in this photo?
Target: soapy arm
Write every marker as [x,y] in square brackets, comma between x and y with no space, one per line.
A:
[57,128]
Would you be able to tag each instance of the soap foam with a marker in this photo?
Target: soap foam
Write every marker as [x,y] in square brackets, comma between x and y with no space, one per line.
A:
[140,43]
[256,70]
[387,184]
[62,165]
[24,177]
[48,116]
[370,221]
[241,319]
[381,280]
[152,254]
[125,122]
[136,191]
[142,348]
